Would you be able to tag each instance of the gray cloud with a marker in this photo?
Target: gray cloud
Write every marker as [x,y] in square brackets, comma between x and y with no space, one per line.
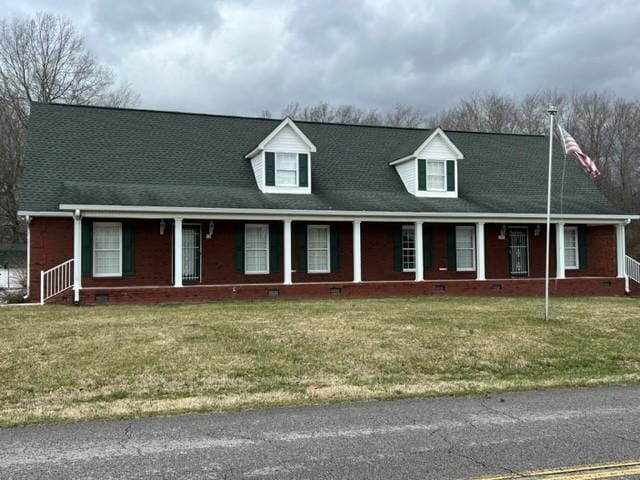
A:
[245,56]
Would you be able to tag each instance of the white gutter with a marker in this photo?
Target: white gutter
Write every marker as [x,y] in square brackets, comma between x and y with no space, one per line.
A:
[258,213]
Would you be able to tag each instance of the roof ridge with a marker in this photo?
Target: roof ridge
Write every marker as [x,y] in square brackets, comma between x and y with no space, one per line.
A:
[276,120]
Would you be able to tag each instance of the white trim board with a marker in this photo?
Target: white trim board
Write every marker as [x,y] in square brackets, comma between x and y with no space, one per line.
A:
[124,211]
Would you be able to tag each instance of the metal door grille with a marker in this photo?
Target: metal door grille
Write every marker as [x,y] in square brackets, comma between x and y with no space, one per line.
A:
[191,253]
[518,253]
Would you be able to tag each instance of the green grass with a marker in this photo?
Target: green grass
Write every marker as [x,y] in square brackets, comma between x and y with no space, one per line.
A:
[70,363]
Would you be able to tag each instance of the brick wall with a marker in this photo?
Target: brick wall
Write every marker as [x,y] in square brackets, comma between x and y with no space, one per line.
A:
[52,244]
[497,288]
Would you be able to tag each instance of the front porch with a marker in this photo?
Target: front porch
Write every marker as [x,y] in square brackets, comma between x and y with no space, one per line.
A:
[176,259]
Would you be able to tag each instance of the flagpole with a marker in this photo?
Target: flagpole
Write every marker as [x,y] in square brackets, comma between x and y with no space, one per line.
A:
[552,111]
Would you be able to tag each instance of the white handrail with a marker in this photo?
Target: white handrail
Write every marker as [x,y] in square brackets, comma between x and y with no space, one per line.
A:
[56,280]
[632,270]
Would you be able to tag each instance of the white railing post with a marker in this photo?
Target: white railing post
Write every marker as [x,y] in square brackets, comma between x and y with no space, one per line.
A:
[42,288]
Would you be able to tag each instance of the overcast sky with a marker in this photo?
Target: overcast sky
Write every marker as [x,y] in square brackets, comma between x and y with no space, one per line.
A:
[245,56]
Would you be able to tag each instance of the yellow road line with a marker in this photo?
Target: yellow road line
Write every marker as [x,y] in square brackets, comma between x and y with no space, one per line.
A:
[578,472]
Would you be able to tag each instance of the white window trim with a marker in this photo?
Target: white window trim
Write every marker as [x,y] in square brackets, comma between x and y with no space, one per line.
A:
[473,248]
[297,189]
[93,253]
[444,164]
[574,231]
[408,227]
[435,193]
[297,169]
[328,230]
[266,228]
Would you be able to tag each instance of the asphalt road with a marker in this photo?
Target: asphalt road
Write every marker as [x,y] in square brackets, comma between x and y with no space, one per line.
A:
[441,438]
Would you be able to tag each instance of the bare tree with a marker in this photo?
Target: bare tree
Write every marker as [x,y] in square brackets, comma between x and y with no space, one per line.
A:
[400,116]
[43,58]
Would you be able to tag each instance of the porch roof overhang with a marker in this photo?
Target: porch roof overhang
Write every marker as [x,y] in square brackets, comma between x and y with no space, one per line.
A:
[127,211]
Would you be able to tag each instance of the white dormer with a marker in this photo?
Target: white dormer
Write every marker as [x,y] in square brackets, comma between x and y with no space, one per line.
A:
[282,161]
[432,170]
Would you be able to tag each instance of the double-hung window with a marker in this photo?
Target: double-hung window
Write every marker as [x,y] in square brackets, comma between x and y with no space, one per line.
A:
[318,259]
[286,169]
[436,175]
[571,258]
[107,249]
[256,248]
[465,248]
[408,248]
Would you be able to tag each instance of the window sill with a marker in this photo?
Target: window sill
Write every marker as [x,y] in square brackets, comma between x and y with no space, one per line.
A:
[318,271]
[107,275]
[465,269]
[408,270]
[256,273]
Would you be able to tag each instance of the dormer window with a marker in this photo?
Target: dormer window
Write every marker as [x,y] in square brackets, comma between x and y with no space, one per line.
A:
[436,175]
[432,170]
[286,169]
[282,161]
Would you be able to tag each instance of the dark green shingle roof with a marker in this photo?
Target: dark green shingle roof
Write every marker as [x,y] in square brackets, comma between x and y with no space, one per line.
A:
[108,156]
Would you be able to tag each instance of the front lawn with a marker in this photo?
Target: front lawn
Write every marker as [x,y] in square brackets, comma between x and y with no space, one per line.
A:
[70,363]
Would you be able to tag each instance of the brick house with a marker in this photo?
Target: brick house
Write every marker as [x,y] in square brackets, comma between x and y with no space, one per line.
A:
[129,205]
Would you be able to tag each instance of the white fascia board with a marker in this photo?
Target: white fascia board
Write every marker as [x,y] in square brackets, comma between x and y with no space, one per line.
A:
[335,215]
[439,132]
[286,122]
[36,213]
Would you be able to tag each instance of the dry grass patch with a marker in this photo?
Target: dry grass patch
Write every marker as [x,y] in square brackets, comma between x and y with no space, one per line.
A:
[66,363]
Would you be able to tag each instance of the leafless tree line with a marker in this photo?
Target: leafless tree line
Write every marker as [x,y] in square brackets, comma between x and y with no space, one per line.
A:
[606,127]
[42,58]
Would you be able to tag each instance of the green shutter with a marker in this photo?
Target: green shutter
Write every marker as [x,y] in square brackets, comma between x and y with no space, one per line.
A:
[270,168]
[239,247]
[335,247]
[451,175]
[451,248]
[275,247]
[582,246]
[87,247]
[301,241]
[303,170]
[127,249]
[422,174]
[427,246]
[397,247]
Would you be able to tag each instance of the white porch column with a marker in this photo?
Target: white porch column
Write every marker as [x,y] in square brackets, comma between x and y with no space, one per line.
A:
[560,250]
[620,249]
[287,252]
[177,252]
[357,261]
[77,256]
[419,252]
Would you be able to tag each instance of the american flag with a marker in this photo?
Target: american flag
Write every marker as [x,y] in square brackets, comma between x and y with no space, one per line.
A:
[571,146]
